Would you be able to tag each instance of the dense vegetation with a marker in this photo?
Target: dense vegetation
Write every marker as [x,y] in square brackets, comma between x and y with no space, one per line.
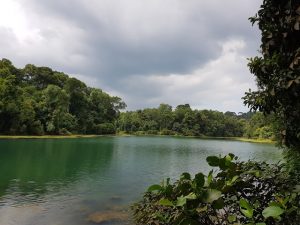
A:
[185,121]
[239,193]
[277,70]
[37,100]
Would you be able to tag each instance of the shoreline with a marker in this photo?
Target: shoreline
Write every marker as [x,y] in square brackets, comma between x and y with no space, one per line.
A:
[74,136]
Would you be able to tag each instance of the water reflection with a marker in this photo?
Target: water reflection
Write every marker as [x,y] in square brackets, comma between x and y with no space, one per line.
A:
[40,166]
[69,181]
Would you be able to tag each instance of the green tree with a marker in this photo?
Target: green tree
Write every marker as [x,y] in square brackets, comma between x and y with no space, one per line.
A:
[57,102]
[277,70]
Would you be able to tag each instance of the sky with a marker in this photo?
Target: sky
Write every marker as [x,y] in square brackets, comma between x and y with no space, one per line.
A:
[145,51]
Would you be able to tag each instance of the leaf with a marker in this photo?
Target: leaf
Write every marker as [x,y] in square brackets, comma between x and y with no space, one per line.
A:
[209,178]
[229,183]
[202,209]
[228,158]
[231,218]
[260,224]
[213,161]
[218,204]
[246,208]
[191,196]
[155,187]
[272,211]
[165,202]
[181,201]
[199,180]
[185,176]
[212,195]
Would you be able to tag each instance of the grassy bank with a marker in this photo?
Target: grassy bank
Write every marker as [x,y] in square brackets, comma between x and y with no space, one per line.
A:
[47,136]
[267,141]
[259,140]
[252,140]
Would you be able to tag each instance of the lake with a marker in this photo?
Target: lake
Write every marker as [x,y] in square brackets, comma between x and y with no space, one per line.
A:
[65,181]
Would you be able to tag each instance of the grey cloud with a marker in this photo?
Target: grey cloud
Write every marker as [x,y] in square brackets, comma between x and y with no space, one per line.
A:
[120,44]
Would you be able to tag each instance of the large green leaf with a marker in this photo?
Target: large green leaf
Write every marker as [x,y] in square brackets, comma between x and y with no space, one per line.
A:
[165,202]
[246,208]
[155,187]
[199,180]
[185,176]
[272,211]
[181,201]
[212,195]
[213,161]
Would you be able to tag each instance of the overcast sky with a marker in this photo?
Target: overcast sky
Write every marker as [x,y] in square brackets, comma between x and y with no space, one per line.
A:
[145,51]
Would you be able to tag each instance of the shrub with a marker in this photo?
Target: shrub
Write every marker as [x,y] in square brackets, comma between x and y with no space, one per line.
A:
[140,133]
[37,128]
[167,132]
[152,132]
[64,131]
[237,193]
[105,128]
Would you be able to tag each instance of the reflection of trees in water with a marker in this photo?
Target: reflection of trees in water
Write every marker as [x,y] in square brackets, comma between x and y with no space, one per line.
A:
[29,166]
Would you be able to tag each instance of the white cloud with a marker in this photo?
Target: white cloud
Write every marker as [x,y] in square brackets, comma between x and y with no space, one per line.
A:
[219,84]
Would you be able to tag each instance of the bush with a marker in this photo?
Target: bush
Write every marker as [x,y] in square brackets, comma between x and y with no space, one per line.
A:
[167,132]
[239,193]
[37,128]
[105,128]
[152,132]
[64,131]
[140,133]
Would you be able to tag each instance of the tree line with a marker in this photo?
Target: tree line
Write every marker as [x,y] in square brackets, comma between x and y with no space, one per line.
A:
[183,120]
[38,100]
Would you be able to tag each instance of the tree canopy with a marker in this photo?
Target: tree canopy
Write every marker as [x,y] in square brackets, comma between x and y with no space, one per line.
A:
[277,70]
[38,100]
[183,120]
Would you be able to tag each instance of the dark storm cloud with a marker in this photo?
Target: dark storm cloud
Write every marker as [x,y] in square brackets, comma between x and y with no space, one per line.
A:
[117,44]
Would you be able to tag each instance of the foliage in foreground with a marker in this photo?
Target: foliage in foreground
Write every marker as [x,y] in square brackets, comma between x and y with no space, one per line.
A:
[277,70]
[237,193]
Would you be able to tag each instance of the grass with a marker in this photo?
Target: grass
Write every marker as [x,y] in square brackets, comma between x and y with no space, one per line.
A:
[258,140]
[47,136]
[252,140]
[267,141]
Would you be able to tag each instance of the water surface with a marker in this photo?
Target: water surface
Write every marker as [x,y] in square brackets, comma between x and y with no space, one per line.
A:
[63,181]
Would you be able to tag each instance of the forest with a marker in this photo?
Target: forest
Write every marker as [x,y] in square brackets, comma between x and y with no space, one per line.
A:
[183,120]
[37,100]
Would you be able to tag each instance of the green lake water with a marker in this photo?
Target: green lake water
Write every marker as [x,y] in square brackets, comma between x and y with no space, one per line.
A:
[63,181]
